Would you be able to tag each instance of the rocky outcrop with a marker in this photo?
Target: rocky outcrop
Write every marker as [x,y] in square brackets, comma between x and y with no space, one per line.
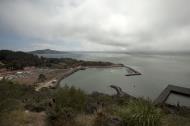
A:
[120,92]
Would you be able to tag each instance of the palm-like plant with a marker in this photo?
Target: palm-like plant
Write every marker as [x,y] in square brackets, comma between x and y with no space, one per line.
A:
[140,113]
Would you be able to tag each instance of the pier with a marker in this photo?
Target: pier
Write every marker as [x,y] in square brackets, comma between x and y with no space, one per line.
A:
[171,89]
[131,71]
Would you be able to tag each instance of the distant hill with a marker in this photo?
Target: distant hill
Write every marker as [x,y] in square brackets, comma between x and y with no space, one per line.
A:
[47,51]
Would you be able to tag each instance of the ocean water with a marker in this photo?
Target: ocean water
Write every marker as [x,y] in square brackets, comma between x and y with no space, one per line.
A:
[157,72]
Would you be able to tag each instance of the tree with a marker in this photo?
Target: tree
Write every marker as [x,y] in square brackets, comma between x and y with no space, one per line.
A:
[41,78]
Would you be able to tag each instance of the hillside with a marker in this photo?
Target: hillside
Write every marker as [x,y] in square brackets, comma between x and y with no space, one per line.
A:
[46,51]
[17,60]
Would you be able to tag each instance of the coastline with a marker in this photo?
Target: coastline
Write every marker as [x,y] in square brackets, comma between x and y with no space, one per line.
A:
[70,71]
[76,69]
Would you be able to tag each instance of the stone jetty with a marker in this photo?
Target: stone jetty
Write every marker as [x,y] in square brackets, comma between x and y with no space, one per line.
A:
[171,89]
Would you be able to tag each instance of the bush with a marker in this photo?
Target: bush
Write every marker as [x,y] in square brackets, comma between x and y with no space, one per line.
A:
[70,97]
[85,119]
[101,119]
[101,98]
[140,113]
[42,78]
[10,105]
[63,116]
[13,95]
[12,90]
[14,118]
[68,102]
[175,120]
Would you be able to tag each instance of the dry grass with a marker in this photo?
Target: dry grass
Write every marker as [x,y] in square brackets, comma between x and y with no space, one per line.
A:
[37,119]
[14,118]
[23,118]
[175,120]
[85,120]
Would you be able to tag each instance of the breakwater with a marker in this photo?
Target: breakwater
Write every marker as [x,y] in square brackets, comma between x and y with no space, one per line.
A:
[171,89]
[69,72]
[131,71]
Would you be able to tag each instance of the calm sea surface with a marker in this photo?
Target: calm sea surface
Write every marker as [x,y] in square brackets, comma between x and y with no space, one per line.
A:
[157,72]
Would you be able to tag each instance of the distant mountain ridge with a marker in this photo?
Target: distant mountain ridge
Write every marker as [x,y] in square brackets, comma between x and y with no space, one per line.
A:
[47,51]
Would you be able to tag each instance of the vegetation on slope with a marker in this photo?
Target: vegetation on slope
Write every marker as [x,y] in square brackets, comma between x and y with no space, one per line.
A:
[69,106]
[18,60]
[14,99]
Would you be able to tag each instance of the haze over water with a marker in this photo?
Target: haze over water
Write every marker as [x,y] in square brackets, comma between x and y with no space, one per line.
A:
[157,72]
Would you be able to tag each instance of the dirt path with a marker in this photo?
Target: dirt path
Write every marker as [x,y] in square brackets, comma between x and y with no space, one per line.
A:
[51,83]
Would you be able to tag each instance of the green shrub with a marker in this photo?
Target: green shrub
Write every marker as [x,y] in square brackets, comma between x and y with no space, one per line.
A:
[10,105]
[68,102]
[101,98]
[13,90]
[85,119]
[175,120]
[42,78]
[2,65]
[63,116]
[70,97]
[14,118]
[13,95]
[101,119]
[140,113]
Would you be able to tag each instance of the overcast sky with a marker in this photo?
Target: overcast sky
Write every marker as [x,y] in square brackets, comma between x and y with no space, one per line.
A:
[95,25]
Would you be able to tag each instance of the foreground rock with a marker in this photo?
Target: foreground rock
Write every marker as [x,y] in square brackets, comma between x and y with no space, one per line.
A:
[120,92]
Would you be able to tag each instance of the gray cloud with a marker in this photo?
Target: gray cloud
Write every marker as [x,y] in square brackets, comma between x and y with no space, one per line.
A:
[100,24]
